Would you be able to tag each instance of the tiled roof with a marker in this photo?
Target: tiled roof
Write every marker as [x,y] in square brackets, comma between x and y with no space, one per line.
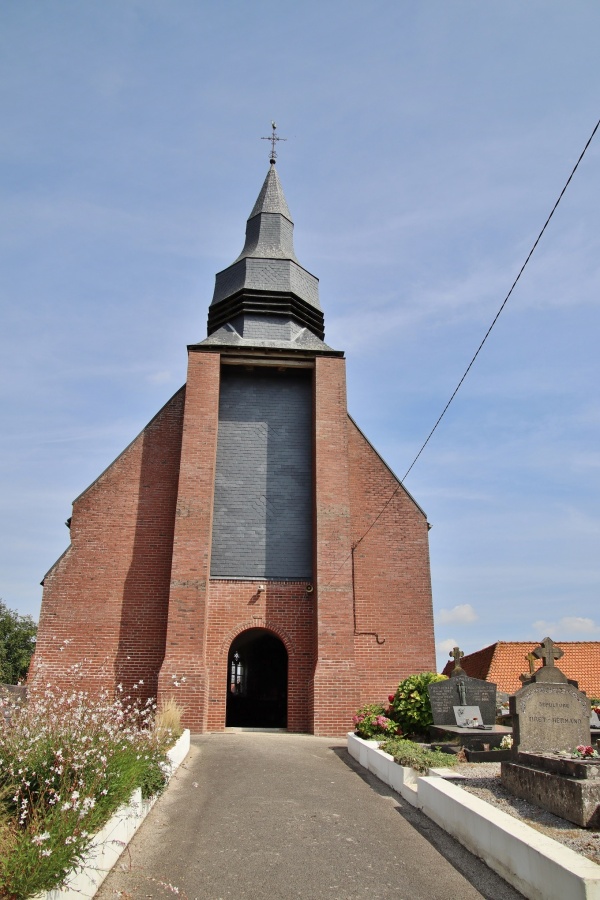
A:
[504,661]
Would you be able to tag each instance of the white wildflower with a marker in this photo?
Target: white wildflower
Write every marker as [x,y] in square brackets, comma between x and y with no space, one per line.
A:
[40,838]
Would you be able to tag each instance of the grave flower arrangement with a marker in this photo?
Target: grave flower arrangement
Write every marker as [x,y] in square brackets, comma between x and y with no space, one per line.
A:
[408,713]
[371,721]
[584,752]
[67,762]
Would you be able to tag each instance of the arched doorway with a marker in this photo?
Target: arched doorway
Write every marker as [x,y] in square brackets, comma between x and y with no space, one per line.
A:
[257,675]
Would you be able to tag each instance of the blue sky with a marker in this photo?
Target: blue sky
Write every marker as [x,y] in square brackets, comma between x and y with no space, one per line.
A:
[427,143]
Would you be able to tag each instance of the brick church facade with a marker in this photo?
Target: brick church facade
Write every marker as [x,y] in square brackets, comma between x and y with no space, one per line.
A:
[226,556]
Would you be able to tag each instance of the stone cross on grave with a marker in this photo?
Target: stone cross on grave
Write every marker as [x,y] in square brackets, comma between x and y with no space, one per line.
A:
[548,652]
[457,655]
[526,678]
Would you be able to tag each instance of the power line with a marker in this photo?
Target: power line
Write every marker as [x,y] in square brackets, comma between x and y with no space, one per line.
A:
[497,316]
[476,354]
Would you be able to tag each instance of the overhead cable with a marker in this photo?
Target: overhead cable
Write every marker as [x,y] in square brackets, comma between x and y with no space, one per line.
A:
[476,354]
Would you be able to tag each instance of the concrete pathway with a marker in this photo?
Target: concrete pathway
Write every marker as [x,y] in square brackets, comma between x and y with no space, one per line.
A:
[257,815]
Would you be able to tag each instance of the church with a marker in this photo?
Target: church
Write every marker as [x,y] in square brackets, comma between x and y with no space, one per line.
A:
[249,553]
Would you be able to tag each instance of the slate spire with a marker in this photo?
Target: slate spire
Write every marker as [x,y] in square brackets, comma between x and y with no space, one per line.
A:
[270,230]
[266,278]
[271,198]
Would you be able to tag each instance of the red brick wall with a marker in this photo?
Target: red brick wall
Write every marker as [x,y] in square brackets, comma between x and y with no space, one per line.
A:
[335,691]
[105,600]
[284,608]
[392,584]
[186,631]
[133,588]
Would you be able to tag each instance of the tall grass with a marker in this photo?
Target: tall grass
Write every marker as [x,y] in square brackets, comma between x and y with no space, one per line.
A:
[168,717]
[67,762]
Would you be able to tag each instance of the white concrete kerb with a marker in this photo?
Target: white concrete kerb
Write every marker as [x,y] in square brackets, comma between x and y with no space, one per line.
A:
[536,865]
[110,842]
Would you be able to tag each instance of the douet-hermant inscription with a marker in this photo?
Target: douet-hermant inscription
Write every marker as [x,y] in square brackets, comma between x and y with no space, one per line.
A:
[550,717]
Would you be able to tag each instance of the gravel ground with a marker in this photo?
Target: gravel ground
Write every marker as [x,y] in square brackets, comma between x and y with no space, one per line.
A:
[483,780]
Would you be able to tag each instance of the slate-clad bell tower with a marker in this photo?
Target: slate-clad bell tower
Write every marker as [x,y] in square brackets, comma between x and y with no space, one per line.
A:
[241,580]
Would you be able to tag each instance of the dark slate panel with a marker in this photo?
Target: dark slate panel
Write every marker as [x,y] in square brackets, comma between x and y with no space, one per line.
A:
[262,519]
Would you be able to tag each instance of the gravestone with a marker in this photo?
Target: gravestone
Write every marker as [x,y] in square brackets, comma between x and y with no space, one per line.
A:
[466,707]
[551,717]
[461,691]
[549,712]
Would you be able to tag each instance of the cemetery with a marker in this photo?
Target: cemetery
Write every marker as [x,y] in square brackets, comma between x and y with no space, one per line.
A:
[547,751]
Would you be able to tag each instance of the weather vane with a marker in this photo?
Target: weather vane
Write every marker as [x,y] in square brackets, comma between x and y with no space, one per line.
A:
[273,138]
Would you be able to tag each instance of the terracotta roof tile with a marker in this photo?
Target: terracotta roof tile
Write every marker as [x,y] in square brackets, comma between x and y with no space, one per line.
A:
[504,661]
[479,663]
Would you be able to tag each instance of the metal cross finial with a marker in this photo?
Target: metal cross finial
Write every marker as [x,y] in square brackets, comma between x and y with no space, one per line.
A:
[548,652]
[273,138]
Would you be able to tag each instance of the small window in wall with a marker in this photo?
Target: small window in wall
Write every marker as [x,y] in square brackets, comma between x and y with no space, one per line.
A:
[237,676]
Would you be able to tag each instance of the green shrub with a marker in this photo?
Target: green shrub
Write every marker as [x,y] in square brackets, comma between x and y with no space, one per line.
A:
[407,753]
[67,762]
[372,721]
[410,706]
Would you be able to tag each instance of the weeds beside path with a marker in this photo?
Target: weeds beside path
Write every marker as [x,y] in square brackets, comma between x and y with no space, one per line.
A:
[67,762]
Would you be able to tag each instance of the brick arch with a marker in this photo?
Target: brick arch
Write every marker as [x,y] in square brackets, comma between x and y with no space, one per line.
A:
[258,623]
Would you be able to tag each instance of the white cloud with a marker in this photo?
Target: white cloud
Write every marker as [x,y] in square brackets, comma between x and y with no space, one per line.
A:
[444,647]
[462,613]
[160,377]
[567,625]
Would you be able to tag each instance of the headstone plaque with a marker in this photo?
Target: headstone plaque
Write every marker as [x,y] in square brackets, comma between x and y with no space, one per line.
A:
[468,716]
[595,720]
[549,717]
[462,691]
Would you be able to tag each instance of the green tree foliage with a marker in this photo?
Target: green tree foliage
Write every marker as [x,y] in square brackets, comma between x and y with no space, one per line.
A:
[17,643]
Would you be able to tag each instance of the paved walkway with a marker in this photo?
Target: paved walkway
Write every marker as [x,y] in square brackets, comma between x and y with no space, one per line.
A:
[256,815]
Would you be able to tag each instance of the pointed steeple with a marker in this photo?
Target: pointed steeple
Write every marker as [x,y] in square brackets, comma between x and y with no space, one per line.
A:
[270,230]
[271,198]
[267,279]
